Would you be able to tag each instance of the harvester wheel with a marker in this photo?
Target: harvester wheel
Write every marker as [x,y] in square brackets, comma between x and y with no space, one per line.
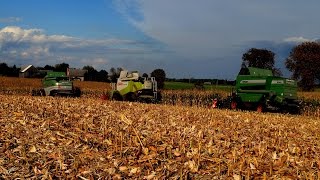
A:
[116,96]
[131,97]
[42,92]
[33,92]
[234,105]
[77,92]
[159,97]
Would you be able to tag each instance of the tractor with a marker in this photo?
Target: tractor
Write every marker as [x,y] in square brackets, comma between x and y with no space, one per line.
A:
[131,87]
[258,89]
[57,84]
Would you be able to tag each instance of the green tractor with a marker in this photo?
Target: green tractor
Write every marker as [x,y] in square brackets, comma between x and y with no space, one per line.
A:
[131,87]
[257,89]
[57,84]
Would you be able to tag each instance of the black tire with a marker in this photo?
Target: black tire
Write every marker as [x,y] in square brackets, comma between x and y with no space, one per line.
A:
[77,92]
[295,110]
[131,97]
[42,92]
[34,92]
[116,96]
[53,93]
[159,97]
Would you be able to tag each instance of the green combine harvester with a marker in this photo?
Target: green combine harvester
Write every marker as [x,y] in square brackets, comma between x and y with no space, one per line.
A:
[57,84]
[258,89]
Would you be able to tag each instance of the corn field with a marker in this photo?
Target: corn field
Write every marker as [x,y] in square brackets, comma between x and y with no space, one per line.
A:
[90,138]
[196,98]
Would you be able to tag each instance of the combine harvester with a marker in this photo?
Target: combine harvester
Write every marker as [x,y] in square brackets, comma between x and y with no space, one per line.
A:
[258,89]
[57,84]
[131,87]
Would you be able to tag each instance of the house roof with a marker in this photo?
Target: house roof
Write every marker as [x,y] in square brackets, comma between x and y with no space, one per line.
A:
[24,69]
[77,72]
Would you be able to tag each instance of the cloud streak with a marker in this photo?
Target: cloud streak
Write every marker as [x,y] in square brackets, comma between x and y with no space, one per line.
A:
[217,33]
[33,46]
[10,19]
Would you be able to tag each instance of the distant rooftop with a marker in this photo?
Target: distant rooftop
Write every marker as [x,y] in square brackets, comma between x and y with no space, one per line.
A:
[24,69]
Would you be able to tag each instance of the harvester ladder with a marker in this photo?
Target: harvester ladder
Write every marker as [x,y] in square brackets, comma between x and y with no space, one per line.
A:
[154,88]
[113,86]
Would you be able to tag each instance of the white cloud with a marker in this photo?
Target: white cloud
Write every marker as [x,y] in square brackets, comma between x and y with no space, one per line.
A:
[297,39]
[33,46]
[17,34]
[10,19]
[215,34]
[35,51]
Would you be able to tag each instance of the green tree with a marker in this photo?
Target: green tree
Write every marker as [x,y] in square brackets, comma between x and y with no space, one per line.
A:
[260,58]
[102,76]
[4,69]
[91,73]
[61,67]
[90,69]
[115,73]
[48,67]
[14,71]
[304,63]
[160,76]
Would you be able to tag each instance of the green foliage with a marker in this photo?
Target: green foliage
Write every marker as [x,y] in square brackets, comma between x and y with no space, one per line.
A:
[115,73]
[160,76]
[260,58]
[93,75]
[304,62]
[48,67]
[5,70]
[61,67]
[90,69]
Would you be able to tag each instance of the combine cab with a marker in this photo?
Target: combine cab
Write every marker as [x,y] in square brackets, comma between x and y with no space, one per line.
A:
[57,84]
[131,87]
[257,89]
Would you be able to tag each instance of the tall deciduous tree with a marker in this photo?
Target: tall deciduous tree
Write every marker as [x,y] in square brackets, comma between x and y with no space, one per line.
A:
[115,73]
[102,76]
[260,58]
[48,67]
[4,69]
[91,73]
[304,63]
[61,67]
[160,76]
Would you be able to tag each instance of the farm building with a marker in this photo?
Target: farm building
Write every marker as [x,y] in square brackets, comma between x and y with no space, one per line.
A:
[76,74]
[28,71]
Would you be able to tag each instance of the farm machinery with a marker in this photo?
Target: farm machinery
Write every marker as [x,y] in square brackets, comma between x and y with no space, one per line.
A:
[257,89]
[131,87]
[57,84]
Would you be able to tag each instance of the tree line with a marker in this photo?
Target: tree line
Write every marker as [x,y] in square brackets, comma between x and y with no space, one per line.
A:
[91,75]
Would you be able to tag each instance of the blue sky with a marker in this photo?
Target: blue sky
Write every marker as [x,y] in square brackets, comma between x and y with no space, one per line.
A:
[186,38]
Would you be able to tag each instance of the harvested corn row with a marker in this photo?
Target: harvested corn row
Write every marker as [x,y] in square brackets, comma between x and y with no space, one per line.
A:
[87,138]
